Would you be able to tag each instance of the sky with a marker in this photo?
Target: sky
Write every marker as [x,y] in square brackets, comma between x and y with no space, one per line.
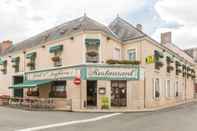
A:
[21,19]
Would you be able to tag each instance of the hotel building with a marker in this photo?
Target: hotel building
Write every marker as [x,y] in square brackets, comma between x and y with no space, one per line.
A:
[98,67]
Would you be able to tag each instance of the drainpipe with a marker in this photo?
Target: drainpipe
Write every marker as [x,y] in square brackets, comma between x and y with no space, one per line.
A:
[185,84]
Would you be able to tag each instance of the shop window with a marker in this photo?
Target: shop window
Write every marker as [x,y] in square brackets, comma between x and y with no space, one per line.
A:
[118,93]
[92,50]
[131,54]
[58,89]
[33,92]
[117,54]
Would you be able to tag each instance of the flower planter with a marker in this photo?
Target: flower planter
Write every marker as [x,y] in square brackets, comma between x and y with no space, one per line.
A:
[55,58]
[30,64]
[123,62]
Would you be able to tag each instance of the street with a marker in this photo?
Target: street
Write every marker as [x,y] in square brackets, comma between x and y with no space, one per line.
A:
[180,118]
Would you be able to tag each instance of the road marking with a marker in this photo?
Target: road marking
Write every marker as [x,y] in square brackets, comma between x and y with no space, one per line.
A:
[69,123]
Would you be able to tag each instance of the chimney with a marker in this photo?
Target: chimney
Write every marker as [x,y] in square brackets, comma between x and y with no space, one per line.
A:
[139,27]
[166,38]
[5,45]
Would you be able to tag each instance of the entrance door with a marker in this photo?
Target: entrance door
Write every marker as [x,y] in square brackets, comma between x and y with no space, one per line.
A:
[18,80]
[118,93]
[91,93]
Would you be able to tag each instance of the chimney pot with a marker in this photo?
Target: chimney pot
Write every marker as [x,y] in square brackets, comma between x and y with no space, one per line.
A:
[166,38]
[4,45]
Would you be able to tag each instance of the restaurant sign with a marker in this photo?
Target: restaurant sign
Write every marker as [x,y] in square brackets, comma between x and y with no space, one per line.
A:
[56,74]
[112,73]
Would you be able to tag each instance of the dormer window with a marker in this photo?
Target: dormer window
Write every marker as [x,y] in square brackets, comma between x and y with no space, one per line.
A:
[57,51]
[32,60]
[16,63]
[92,50]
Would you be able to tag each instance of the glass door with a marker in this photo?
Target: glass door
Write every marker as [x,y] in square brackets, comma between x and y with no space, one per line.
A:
[118,93]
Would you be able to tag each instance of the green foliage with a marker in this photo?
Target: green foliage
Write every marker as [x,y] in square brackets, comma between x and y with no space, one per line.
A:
[104,102]
[122,62]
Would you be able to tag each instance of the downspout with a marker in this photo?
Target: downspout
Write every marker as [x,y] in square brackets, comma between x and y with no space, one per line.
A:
[144,75]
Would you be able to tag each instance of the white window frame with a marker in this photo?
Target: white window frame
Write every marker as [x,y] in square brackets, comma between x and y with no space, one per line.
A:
[130,50]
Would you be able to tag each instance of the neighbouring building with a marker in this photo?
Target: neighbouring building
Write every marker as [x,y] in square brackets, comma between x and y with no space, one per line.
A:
[97,66]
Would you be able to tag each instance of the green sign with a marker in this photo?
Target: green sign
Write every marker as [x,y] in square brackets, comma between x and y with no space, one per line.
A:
[113,73]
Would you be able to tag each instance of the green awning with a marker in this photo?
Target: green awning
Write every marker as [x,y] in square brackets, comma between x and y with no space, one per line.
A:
[31,84]
[56,48]
[31,55]
[2,61]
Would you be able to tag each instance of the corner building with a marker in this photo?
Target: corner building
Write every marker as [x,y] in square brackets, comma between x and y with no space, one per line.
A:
[115,67]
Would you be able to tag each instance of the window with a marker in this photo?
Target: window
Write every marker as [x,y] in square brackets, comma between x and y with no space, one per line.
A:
[131,54]
[92,50]
[116,54]
[58,89]
[168,88]
[4,67]
[33,92]
[177,89]
[32,60]
[57,51]
[156,88]
[57,58]
[16,63]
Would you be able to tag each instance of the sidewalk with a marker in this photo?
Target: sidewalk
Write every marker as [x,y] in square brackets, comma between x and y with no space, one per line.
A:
[136,110]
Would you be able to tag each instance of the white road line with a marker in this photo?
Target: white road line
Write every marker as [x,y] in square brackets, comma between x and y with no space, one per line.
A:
[69,123]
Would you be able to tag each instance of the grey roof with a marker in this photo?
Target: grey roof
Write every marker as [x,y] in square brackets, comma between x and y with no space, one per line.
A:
[124,30]
[80,24]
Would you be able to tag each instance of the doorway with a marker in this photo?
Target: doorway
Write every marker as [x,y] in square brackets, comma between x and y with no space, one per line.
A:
[119,93]
[18,80]
[91,93]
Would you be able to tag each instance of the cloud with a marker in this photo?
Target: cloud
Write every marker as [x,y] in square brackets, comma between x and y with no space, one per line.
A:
[21,19]
[181,12]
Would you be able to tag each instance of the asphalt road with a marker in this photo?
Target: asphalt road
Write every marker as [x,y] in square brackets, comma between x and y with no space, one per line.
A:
[181,118]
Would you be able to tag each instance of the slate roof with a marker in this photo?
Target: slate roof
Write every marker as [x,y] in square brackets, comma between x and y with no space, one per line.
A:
[83,23]
[124,30]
